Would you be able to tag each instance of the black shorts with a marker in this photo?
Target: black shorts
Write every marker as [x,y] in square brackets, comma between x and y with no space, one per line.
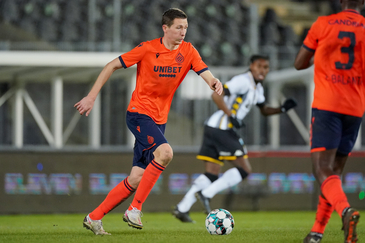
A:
[220,145]
[330,130]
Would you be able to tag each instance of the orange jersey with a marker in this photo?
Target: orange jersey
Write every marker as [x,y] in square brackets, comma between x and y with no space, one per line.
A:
[159,73]
[339,62]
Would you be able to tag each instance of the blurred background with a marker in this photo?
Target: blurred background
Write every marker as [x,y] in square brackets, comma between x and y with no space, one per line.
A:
[51,52]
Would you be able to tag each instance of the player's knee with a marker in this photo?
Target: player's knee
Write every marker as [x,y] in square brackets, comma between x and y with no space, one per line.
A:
[243,173]
[134,180]
[164,154]
[211,176]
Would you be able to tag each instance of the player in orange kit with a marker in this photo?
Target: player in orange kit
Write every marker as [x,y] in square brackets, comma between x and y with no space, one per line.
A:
[162,64]
[337,43]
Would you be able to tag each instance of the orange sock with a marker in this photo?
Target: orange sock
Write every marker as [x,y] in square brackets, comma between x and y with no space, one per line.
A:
[324,212]
[332,190]
[149,178]
[115,197]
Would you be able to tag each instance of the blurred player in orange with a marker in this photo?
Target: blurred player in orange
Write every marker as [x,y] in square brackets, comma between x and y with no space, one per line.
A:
[337,43]
[162,64]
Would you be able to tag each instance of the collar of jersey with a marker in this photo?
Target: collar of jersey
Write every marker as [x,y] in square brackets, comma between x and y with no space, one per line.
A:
[351,11]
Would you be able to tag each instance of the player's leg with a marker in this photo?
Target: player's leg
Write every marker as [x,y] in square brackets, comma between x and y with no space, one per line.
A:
[162,157]
[324,208]
[210,155]
[163,153]
[151,152]
[115,197]
[118,194]
[182,209]
[323,214]
[322,138]
[350,217]
[229,178]
[340,132]
[231,148]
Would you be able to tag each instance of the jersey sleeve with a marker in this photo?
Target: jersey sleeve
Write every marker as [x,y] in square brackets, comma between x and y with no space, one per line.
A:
[133,56]
[236,85]
[197,64]
[311,40]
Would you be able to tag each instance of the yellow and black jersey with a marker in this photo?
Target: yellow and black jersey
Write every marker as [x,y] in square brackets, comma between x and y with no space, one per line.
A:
[242,94]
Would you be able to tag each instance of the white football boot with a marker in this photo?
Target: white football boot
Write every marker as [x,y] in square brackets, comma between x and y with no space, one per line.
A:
[95,226]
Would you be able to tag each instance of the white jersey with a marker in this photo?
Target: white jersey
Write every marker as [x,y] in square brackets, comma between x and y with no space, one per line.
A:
[244,94]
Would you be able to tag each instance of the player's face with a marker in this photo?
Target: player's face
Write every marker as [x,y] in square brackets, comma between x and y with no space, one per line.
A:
[175,34]
[259,69]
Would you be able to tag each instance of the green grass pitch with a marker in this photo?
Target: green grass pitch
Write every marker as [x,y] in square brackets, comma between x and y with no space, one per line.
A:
[163,227]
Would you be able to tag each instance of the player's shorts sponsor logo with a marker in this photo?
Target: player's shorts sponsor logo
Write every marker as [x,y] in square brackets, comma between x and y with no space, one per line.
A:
[179,58]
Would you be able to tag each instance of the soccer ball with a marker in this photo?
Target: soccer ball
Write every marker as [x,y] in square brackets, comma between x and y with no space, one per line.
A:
[219,222]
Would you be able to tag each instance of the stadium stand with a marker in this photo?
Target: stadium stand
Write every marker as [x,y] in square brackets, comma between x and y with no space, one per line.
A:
[220,30]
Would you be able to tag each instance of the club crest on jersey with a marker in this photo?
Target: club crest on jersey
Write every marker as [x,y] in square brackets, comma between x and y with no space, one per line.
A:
[140,45]
[157,55]
[179,58]
[150,139]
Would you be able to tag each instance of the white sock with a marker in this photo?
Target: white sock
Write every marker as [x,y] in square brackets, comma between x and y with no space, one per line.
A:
[229,178]
[189,199]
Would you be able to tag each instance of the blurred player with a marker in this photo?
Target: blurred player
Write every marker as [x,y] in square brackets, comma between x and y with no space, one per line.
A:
[222,143]
[162,65]
[337,43]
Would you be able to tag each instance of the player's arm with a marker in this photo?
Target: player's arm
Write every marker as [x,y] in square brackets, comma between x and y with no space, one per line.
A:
[212,81]
[304,58]
[87,103]
[219,101]
[268,110]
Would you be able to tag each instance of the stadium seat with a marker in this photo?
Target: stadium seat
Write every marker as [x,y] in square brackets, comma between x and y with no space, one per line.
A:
[287,48]
[269,34]
[28,24]
[9,10]
[52,10]
[105,30]
[131,32]
[31,9]
[232,32]
[48,29]
[228,54]
[69,31]
[72,11]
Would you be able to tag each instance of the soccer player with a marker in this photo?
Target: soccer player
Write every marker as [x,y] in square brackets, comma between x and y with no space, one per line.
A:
[221,142]
[337,43]
[162,65]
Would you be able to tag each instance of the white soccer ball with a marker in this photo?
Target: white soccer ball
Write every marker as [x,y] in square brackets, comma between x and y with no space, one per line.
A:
[219,222]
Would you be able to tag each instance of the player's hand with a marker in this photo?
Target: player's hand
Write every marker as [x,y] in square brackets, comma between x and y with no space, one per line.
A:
[235,122]
[217,86]
[288,104]
[85,105]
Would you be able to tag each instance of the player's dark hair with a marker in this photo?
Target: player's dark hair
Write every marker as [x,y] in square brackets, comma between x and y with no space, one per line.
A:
[173,13]
[253,58]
